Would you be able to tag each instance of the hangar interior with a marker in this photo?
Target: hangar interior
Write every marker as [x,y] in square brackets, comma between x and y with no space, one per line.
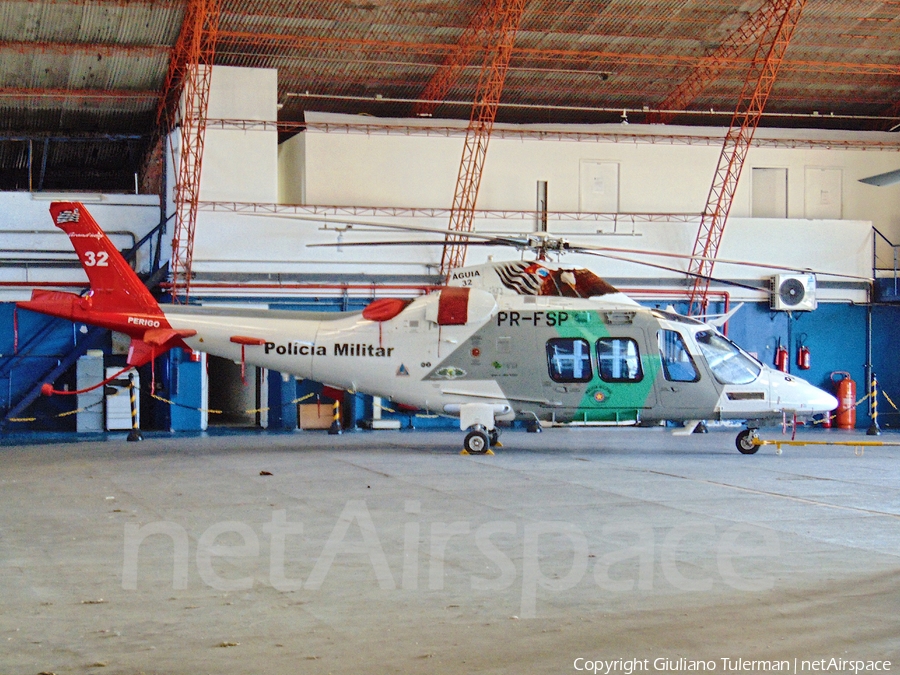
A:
[587,143]
[218,142]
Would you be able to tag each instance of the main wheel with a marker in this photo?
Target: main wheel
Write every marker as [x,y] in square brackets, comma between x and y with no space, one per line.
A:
[476,442]
[744,442]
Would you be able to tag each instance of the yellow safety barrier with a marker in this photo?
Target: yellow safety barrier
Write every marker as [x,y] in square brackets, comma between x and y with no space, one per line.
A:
[859,445]
[213,411]
[56,416]
[832,417]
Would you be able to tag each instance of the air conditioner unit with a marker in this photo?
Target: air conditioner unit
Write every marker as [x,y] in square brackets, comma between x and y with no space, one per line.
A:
[793,292]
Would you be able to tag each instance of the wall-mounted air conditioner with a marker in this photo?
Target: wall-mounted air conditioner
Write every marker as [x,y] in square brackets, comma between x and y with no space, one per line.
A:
[793,292]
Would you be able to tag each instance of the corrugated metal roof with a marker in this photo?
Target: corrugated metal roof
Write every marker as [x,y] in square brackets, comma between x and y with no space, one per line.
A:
[573,60]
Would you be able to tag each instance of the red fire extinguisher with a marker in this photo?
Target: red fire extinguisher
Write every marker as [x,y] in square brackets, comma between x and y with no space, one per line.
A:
[845,415]
[803,359]
[781,357]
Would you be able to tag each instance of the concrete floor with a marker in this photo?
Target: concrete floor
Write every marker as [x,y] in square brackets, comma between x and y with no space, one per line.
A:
[599,544]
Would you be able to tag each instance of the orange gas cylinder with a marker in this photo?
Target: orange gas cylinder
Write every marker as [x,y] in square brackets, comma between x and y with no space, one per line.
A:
[845,416]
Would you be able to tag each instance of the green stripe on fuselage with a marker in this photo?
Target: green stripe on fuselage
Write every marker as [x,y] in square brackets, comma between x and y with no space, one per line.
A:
[512,350]
[614,401]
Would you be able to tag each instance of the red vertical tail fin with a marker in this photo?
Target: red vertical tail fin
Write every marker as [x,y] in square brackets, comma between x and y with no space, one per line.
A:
[114,285]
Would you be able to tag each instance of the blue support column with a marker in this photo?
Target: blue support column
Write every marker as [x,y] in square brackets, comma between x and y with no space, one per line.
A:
[185,391]
[355,409]
[282,409]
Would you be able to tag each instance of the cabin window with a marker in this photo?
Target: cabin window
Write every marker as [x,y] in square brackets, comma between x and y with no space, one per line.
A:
[728,363]
[569,360]
[618,360]
[678,366]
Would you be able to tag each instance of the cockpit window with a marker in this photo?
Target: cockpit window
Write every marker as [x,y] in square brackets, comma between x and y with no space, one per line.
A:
[678,366]
[728,363]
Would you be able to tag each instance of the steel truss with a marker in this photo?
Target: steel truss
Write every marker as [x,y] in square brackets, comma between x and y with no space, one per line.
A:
[318,44]
[601,135]
[709,68]
[782,19]
[506,15]
[188,79]
[475,36]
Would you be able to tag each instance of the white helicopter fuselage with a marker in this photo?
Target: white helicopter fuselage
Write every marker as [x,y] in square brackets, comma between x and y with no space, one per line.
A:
[512,354]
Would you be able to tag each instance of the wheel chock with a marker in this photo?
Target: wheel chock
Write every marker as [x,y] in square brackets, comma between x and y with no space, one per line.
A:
[486,452]
[498,444]
[489,451]
[464,452]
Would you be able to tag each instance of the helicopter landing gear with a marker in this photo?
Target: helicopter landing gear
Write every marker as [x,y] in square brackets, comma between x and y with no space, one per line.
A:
[745,442]
[478,420]
[477,442]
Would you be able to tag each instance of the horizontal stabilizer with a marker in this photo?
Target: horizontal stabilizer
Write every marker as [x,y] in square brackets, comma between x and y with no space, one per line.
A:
[53,303]
[117,300]
[156,341]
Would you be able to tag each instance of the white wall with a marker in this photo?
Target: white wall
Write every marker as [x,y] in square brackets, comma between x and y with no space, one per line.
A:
[241,165]
[27,233]
[292,170]
[381,169]
[281,247]
[389,167]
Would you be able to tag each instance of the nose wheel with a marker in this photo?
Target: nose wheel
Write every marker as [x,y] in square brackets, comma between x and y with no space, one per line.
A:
[745,442]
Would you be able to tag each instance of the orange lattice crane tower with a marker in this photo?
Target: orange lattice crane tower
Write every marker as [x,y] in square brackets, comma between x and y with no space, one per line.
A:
[474,38]
[186,92]
[710,66]
[501,20]
[782,17]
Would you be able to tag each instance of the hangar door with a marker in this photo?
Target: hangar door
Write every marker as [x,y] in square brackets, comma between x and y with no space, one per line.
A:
[769,193]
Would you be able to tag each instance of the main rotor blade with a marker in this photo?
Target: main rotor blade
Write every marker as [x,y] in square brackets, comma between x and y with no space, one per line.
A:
[587,248]
[882,179]
[533,240]
[512,241]
[673,269]
[405,242]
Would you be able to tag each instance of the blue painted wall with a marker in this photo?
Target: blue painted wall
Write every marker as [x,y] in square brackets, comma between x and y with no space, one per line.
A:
[886,362]
[834,333]
[42,342]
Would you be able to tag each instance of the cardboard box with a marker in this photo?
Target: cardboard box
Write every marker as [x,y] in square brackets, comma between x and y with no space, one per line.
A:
[315,415]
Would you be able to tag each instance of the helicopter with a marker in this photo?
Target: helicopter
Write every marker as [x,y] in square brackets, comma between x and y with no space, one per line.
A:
[532,340]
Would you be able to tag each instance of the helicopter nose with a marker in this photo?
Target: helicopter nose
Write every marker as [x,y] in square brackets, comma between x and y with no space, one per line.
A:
[794,394]
[819,400]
